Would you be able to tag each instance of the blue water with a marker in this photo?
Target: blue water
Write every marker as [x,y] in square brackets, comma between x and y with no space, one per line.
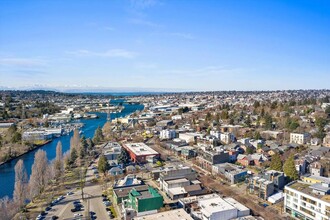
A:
[7,173]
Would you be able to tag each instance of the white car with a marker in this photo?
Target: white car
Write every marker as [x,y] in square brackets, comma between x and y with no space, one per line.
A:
[77,215]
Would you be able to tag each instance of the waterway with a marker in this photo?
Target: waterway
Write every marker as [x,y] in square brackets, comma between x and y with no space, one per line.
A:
[7,172]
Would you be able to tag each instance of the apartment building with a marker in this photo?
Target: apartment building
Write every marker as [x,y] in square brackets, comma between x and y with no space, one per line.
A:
[298,138]
[167,134]
[308,202]
[261,187]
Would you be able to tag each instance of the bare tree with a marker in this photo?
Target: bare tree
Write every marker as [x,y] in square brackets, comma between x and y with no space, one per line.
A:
[7,208]
[75,140]
[58,163]
[21,183]
[38,179]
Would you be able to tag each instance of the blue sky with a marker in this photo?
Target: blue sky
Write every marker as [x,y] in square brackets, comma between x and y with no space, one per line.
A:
[165,45]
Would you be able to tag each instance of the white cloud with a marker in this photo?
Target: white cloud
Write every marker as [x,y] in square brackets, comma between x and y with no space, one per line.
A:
[183,35]
[120,53]
[22,62]
[143,4]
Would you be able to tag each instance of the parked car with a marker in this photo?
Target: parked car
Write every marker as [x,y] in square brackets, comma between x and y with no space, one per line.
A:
[76,209]
[48,208]
[107,203]
[69,193]
[54,217]
[77,215]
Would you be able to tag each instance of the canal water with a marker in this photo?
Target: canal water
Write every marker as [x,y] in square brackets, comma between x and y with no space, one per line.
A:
[7,172]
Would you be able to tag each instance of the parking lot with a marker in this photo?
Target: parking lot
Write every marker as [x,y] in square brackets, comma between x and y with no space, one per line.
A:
[71,205]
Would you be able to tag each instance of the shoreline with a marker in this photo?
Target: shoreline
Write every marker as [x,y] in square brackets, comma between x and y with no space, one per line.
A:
[36,147]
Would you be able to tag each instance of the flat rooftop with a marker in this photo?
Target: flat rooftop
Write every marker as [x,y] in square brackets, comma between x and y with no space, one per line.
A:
[140,149]
[307,189]
[182,180]
[213,205]
[177,214]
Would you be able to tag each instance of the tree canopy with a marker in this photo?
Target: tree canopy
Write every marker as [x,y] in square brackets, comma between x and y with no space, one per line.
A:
[289,169]
[276,162]
[103,165]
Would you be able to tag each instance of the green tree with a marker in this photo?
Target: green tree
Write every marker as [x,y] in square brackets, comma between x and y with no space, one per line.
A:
[82,147]
[257,135]
[17,137]
[289,169]
[98,136]
[276,162]
[90,144]
[268,121]
[256,104]
[123,157]
[248,121]
[103,165]
[73,155]
[327,110]
[249,150]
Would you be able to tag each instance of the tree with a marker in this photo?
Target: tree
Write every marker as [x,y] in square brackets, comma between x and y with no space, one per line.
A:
[268,121]
[327,110]
[90,144]
[58,164]
[276,162]
[289,169]
[103,165]
[75,140]
[98,136]
[38,179]
[82,147]
[17,137]
[21,181]
[123,157]
[248,121]
[249,150]
[73,156]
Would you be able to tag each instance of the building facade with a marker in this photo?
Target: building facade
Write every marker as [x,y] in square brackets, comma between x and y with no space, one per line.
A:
[308,202]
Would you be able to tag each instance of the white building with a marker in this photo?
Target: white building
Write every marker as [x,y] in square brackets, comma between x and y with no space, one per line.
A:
[167,134]
[215,134]
[213,207]
[227,137]
[176,117]
[309,202]
[299,138]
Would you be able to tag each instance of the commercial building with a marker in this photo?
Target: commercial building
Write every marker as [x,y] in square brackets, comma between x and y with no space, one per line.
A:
[208,158]
[174,173]
[139,152]
[213,207]
[232,172]
[177,214]
[121,194]
[308,202]
[144,200]
[298,138]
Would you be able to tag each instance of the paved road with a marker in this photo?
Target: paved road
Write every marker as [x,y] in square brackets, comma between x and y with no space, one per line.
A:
[93,201]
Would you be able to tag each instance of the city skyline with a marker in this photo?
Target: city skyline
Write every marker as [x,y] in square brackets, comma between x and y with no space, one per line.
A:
[153,45]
